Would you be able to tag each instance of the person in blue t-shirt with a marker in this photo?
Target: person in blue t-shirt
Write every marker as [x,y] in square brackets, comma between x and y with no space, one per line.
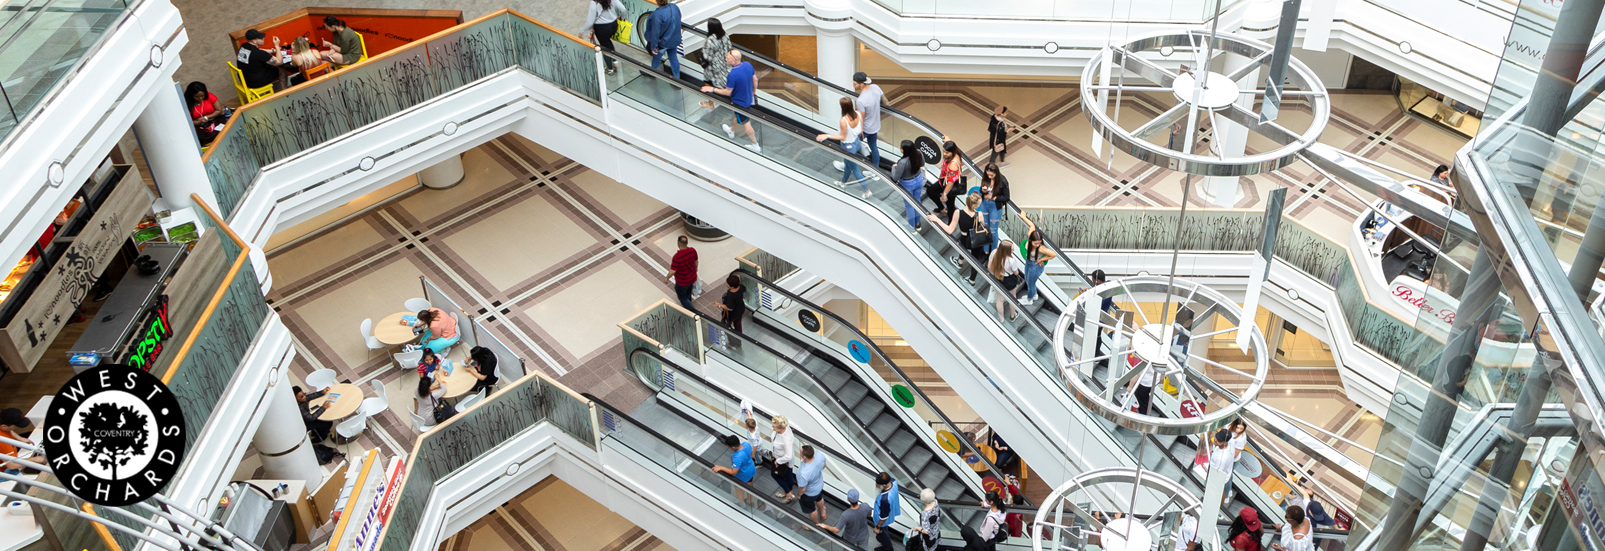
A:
[741,465]
[742,82]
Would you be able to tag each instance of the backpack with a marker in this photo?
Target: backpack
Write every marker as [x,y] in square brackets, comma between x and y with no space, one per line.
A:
[325,454]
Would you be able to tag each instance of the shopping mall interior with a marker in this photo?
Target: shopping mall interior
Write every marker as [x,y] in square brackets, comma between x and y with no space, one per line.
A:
[1114,275]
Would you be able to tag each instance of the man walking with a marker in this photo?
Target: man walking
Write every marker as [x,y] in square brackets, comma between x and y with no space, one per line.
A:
[683,272]
[742,83]
[886,507]
[997,132]
[811,478]
[870,99]
[853,525]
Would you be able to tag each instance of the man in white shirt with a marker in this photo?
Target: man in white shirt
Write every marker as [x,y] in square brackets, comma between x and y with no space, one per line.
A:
[869,103]
[1187,534]
[1222,457]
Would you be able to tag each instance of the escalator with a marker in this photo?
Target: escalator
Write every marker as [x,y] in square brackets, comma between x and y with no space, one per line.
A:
[695,414]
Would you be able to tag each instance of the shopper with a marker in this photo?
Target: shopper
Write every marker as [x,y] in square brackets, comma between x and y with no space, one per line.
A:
[1187,534]
[1145,387]
[1037,254]
[741,465]
[930,528]
[683,272]
[853,525]
[811,478]
[783,444]
[601,23]
[430,391]
[714,49]
[1245,533]
[1440,175]
[429,362]
[851,125]
[1010,271]
[258,66]
[971,233]
[1099,278]
[1221,456]
[947,187]
[870,99]
[1298,534]
[740,85]
[662,36]
[439,329]
[1006,454]
[885,509]
[995,199]
[992,527]
[910,173]
[997,132]
[481,365]
[205,112]
[1239,430]
[733,305]
[309,414]
[18,426]
[347,46]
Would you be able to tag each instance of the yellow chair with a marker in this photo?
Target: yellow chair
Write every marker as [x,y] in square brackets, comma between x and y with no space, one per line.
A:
[364,44]
[247,95]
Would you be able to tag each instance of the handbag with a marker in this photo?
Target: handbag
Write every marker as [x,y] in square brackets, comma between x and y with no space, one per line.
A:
[442,411]
[978,235]
[623,34]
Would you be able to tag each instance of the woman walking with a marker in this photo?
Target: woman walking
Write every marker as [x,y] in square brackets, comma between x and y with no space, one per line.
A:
[852,127]
[1008,268]
[910,173]
[968,222]
[1037,254]
[930,528]
[946,188]
[784,445]
[714,66]
[994,200]
[601,23]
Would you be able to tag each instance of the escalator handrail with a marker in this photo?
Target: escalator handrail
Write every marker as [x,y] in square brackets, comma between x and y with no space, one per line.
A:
[986,275]
[995,470]
[934,133]
[773,503]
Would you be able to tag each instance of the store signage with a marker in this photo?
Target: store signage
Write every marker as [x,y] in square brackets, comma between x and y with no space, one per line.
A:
[859,351]
[383,499]
[903,395]
[114,435]
[809,320]
[1418,299]
[52,304]
[929,151]
[148,341]
[1585,515]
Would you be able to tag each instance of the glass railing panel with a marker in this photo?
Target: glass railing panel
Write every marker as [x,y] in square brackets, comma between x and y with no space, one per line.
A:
[555,57]
[470,53]
[313,114]
[670,326]
[384,86]
[43,43]
[698,471]
[460,441]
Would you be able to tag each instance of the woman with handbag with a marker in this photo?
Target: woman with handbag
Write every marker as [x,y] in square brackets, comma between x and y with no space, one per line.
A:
[972,235]
[925,535]
[602,21]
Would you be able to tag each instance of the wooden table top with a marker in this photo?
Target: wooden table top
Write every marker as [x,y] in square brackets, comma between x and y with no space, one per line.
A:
[350,399]
[986,451]
[459,381]
[390,330]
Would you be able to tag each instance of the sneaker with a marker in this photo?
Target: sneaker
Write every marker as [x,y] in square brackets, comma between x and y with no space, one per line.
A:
[611,72]
[754,147]
[779,494]
[840,165]
[958,261]
[788,499]
[728,131]
[1026,301]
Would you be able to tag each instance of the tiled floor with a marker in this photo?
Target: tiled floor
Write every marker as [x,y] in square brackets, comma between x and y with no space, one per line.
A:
[553,516]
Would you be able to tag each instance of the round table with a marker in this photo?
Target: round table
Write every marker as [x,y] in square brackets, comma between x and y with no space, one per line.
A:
[458,382]
[390,330]
[350,399]
[987,452]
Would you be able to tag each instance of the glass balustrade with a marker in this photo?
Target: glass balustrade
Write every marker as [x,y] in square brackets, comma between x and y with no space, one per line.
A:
[41,43]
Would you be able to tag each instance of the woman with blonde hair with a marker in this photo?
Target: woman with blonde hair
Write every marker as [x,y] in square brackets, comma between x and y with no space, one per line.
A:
[784,444]
[304,57]
[971,228]
[1009,270]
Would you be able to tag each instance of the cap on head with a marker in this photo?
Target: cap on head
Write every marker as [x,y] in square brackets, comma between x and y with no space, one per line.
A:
[1223,436]
[1250,518]
[861,78]
[254,34]
[852,496]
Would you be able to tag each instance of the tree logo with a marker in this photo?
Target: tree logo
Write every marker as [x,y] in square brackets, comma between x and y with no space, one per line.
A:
[114,435]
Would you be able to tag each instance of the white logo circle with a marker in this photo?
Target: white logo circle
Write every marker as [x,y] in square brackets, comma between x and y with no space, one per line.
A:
[113,434]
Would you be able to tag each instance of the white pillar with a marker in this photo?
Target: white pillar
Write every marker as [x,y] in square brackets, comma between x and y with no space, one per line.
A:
[1231,138]
[168,139]
[836,50]
[281,441]
[444,174]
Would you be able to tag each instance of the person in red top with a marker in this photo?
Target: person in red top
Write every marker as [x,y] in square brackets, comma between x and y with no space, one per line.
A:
[205,111]
[683,272]
[1245,534]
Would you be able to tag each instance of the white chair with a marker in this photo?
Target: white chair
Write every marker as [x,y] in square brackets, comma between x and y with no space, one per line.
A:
[470,401]
[349,429]
[415,305]
[423,421]
[408,360]
[368,338]
[372,407]
[320,379]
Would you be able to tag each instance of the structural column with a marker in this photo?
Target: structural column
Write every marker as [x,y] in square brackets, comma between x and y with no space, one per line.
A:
[1231,138]
[282,441]
[837,63]
[167,137]
[445,174]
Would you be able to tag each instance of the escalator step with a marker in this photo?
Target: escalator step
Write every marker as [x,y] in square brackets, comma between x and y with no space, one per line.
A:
[816,365]
[884,426]
[933,474]
[950,489]
[851,393]
[916,458]
[899,443]
[869,408]
[834,379]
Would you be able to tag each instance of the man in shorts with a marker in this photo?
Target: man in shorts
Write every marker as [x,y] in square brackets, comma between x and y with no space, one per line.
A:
[811,478]
[743,83]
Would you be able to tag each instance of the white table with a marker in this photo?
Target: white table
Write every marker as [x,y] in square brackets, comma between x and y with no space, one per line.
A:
[40,411]
[17,532]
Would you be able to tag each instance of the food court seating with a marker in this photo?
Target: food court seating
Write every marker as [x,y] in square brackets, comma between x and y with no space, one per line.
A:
[422,421]
[408,360]
[349,429]
[320,379]
[367,337]
[316,71]
[247,95]
[470,401]
[415,305]
[372,407]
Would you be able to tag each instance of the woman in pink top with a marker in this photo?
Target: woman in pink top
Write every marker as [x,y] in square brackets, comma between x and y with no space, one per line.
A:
[439,329]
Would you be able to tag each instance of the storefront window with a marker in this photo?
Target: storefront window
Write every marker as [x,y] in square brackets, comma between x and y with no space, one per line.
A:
[1442,110]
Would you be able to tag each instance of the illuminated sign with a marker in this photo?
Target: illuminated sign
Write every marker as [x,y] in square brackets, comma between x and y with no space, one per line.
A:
[148,341]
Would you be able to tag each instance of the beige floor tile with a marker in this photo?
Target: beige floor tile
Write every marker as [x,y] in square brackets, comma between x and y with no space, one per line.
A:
[961,126]
[1371,430]
[1370,108]
[629,205]
[585,315]
[574,519]
[546,156]
[322,221]
[328,249]
[481,173]
[717,258]
[336,317]
[1442,143]
[487,539]
[1037,180]
[1330,224]
[1077,132]
[484,243]
[1021,100]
